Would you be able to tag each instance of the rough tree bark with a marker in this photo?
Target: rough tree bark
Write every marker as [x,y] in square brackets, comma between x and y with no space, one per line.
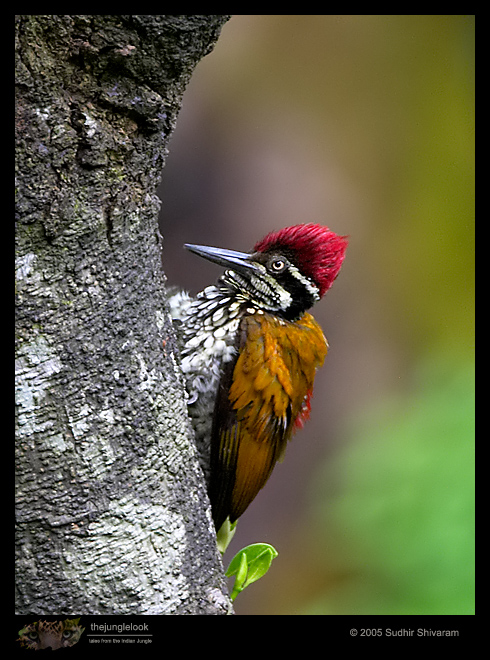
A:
[112,511]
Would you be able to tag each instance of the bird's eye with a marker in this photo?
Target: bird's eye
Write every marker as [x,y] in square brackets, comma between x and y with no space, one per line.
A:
[278,265]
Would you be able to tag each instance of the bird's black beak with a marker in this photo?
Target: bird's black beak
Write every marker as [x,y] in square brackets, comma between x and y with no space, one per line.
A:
[238,261]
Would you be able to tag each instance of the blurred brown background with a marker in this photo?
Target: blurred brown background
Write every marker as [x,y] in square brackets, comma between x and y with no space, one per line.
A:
[364,124]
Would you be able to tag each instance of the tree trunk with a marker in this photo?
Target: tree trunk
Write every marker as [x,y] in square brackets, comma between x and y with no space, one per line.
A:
[112,510]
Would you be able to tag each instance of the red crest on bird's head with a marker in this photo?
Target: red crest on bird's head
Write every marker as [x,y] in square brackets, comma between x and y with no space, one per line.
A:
[318,252]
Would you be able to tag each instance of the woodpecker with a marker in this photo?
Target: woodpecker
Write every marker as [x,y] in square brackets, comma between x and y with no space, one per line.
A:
[250,351]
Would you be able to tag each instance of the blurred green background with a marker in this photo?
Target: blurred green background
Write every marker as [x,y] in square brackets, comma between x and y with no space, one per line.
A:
[364,124]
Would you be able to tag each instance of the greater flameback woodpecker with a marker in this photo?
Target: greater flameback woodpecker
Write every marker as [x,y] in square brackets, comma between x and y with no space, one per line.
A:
[250,353]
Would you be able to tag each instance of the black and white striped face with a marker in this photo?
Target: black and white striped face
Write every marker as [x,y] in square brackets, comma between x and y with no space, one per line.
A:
[275,285]
[268,280]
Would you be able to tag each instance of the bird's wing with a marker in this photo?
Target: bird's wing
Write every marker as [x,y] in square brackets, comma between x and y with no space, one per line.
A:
[263,397]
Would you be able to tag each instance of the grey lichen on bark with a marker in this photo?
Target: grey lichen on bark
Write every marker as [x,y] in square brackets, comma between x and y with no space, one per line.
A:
[112,510]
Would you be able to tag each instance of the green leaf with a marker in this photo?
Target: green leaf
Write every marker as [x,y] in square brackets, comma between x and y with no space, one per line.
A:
[249,565]
[225,534]
[241,574]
